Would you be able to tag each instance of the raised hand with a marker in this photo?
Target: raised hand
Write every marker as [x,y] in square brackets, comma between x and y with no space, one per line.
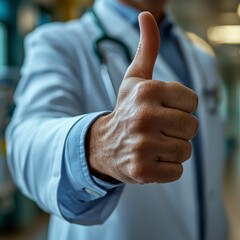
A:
[147,136]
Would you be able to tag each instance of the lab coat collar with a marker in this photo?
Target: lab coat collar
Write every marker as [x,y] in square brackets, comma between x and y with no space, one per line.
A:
[104,12]
[162,71]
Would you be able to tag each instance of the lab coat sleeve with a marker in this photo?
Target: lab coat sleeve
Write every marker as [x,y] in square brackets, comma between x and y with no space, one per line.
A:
[79,191]
[49,102]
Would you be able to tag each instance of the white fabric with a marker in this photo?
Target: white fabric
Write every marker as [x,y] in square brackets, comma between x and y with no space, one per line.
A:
[165,211]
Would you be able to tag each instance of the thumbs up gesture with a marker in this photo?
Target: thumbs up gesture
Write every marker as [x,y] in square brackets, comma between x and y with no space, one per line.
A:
[147,136]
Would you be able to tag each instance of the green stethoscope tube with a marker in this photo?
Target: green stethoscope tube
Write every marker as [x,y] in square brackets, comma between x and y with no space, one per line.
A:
[106,78]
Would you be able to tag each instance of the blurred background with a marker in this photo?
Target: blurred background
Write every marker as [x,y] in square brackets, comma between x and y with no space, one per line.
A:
[215,24]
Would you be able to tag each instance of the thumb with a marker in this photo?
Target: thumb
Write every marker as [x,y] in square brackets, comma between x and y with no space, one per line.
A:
[143,63]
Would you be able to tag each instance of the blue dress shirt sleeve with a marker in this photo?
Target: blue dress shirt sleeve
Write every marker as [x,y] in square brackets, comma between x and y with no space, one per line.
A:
[82,196]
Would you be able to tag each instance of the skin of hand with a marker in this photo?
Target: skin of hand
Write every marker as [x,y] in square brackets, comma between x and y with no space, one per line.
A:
[147,136]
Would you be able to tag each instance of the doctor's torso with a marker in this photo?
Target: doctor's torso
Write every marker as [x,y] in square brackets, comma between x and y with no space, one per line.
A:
[163,211]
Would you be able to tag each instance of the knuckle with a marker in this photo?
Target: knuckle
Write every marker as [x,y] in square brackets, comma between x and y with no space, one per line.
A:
[137,173]
[187,151]
[139,122]
[172,174]
[139,147]
[178,152]
[147,89]
[141,90]
[190,126]
[158,85]
[174,86]
[182,151]
[142,119]
[194,127]
[178,172]
[141,116]
[194,102]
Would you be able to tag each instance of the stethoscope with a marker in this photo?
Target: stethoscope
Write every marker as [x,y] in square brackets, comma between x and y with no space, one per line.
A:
[211,95]
[106,78]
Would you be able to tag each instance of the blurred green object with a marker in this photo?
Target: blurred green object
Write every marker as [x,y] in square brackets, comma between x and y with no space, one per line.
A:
[7,78]
[3,44]
[4,9]
[7,189]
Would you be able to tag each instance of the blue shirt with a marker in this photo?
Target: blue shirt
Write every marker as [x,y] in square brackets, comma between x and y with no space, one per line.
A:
[77,185]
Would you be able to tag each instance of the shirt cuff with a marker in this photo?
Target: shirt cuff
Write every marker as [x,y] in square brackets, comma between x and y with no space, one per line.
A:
[76,162]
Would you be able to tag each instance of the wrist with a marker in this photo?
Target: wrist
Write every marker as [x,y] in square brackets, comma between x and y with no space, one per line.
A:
[96,148]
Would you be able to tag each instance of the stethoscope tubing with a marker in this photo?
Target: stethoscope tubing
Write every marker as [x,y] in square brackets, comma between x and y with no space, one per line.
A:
[104,71]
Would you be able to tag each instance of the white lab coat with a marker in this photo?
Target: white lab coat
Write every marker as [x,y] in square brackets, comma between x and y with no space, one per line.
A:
[61,80]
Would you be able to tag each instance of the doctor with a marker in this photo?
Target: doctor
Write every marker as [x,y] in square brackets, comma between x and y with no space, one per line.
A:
[87,162]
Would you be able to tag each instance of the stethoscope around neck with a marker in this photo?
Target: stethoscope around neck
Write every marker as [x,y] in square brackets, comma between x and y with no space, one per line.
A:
[106,78]
[211,96]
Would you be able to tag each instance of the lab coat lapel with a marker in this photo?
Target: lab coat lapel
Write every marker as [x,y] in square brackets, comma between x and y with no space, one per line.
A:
[108,18]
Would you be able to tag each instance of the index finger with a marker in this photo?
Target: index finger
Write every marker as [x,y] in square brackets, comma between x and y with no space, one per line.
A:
[176,95]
